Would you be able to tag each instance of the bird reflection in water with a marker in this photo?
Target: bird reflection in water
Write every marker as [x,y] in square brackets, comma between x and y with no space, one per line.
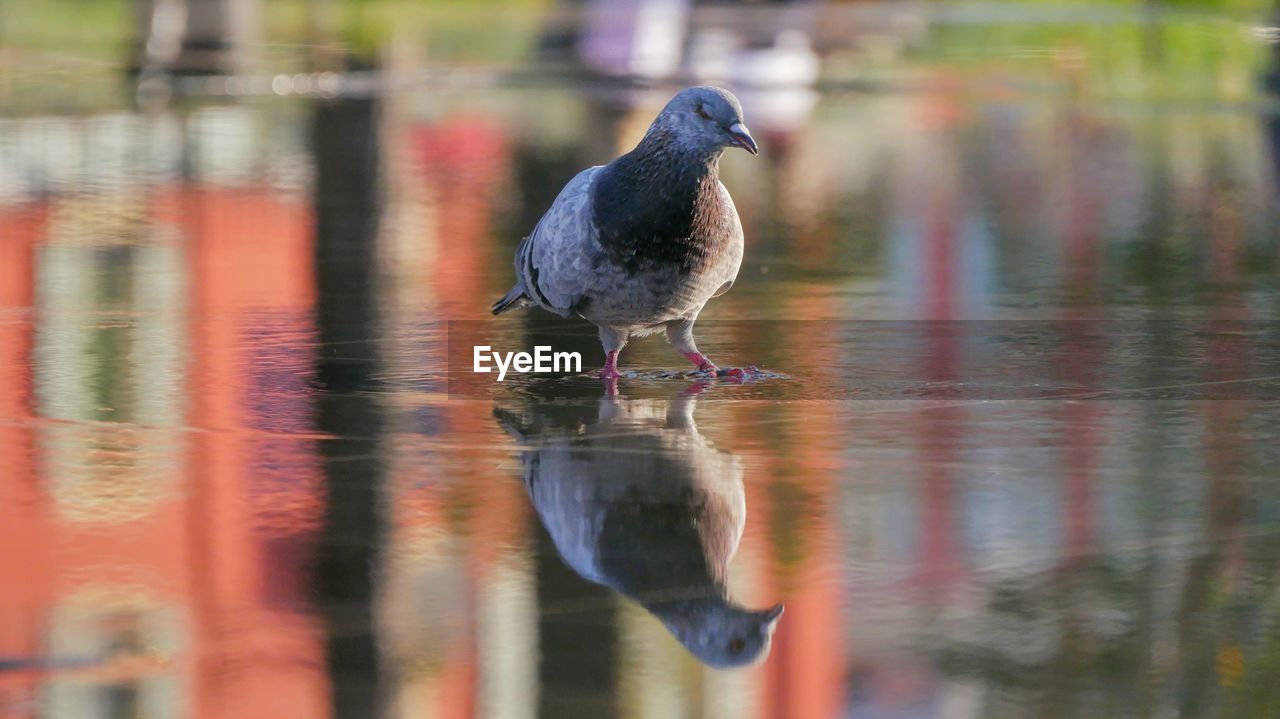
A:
[637,500]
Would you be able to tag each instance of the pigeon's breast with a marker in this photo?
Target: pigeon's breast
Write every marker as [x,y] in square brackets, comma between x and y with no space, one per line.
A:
[682,220]
[670,243]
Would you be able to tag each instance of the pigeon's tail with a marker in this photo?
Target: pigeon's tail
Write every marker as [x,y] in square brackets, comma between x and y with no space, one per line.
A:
[515,297]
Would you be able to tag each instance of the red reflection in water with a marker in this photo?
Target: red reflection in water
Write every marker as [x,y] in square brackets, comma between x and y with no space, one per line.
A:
[188,591]
[203,593]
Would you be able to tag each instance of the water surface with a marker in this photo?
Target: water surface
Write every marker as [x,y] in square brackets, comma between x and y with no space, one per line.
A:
[1022,463]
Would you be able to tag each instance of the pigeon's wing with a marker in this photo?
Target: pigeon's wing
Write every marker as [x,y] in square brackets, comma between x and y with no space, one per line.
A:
[562,483]
[555,262]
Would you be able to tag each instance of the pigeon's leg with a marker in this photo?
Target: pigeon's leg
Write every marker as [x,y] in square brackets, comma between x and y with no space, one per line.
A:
[613,340]
[610,370]
[680,410]
[680,334]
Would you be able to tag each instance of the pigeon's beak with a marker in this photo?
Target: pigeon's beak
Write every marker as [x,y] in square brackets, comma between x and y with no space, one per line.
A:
[773,614]
[742,138]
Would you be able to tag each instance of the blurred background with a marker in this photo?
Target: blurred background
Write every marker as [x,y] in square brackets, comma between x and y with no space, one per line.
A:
[233,482]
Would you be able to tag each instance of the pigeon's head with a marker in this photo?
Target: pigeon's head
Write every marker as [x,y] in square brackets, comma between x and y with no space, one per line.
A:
[727,636]
[706,120]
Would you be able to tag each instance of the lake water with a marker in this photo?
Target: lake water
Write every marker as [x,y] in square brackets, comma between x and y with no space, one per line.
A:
[1020,458]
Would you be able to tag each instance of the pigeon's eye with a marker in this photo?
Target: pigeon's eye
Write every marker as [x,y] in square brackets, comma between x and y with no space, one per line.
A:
[703,112]
[737,644]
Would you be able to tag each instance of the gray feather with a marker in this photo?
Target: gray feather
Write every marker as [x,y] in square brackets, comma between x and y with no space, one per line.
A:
[553,264]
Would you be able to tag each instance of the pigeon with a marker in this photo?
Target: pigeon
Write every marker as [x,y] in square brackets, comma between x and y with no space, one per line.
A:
[635,499]
[641,244]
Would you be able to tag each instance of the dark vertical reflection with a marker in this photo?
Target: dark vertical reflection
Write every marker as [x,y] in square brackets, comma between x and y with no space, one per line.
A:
[578,672]
[347,198]
[1271,117]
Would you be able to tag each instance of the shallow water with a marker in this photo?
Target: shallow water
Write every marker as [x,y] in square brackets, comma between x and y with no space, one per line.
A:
[1018,458]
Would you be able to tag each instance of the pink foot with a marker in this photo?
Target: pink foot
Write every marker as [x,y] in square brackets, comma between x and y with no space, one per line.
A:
[699,359]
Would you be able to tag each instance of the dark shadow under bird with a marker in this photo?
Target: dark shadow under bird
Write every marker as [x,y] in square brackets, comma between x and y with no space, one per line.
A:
[637,500]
